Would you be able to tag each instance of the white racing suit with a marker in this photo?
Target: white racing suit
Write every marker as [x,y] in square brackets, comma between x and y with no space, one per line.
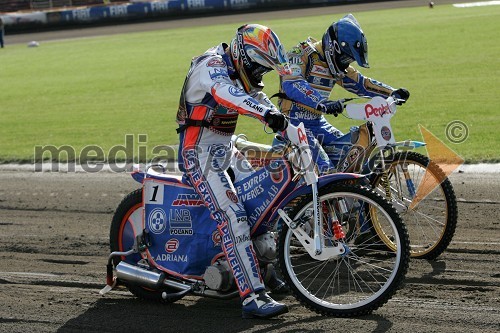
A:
[310,84]
[210,104]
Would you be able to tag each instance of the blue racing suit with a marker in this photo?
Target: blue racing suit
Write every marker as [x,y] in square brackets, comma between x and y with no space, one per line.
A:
[310,84]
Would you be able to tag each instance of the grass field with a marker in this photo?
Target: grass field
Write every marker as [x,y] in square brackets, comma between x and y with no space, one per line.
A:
[93,91]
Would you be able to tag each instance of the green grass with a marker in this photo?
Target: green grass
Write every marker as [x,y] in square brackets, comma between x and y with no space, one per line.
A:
[93,91]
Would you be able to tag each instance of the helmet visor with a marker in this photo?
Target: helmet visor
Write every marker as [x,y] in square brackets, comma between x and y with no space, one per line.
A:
[361,52]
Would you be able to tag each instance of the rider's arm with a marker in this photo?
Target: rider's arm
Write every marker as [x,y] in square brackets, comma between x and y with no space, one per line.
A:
[215,80]
[360,85]
[295,86]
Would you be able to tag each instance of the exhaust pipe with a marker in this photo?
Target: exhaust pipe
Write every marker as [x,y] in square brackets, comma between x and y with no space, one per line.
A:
[137,275]
[156,281]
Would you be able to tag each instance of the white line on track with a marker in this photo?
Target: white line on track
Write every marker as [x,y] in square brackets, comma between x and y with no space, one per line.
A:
[476,4]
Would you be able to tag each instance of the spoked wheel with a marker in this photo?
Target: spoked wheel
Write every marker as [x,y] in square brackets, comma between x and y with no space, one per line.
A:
[425,199]
[125,226]
[367,274]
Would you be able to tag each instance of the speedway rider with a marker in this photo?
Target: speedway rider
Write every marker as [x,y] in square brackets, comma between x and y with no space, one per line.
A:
[222,83]
[316,67]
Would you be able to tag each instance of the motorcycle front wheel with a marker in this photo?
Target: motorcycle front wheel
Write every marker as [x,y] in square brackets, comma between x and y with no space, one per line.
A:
[425,199]
[367,274]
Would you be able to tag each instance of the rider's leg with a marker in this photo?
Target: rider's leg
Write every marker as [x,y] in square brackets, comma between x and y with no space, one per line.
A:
[206,168]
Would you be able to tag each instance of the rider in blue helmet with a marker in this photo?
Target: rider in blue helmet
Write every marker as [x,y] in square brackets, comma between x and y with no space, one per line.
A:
[316,67]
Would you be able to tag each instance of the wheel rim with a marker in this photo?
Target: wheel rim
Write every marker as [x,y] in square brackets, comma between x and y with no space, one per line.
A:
[352,281]
[426,222]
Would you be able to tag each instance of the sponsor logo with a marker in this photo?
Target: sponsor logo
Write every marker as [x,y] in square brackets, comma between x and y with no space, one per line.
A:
[242,52]
[252,182]
[118,11]
[233,261]
[241,239]
[236,92]
[320,70]
[180,222]
[172,257]
[386,133]
[354,154]
[253,262]
[196,3]
[252,103]
[302,136]
[159,6]
[232,196]
[171,245]
[216,238]
[306,92]
[371,110]
[316,80]
[344,166]
[81,14]
[188,200]
[218,150]
[157,221]
[254,193]
[217,73]
[239,212]
[216,62]
[258,212]
[305,115]
[234,50]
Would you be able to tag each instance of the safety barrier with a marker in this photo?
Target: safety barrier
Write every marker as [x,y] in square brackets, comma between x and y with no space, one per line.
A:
[141,10]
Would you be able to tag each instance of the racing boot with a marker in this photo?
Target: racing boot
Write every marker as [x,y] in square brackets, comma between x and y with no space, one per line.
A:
[260,305]
[272,281]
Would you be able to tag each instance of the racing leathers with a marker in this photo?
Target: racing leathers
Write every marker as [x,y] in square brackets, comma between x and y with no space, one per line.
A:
[211,100]
[311,84]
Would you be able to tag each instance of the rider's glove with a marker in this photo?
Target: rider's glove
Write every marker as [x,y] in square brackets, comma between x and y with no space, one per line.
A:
[276,120]
[331,107]
[401,95]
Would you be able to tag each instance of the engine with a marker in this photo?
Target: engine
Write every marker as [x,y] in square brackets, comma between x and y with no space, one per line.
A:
[219,276]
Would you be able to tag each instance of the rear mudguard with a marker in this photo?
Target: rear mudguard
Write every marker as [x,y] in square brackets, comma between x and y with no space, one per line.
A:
[140,175]
[322,182]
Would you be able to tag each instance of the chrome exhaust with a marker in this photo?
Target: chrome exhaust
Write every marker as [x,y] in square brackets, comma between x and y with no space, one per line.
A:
[157,281]
[137,275]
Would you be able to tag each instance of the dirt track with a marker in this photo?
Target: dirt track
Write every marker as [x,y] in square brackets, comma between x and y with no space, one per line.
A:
[54,246]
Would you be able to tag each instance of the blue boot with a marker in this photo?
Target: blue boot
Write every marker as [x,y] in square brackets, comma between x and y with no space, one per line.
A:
[262,306]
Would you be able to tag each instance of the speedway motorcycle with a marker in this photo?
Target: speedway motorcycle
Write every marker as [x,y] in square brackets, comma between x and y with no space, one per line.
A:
[165,245]
[414,184]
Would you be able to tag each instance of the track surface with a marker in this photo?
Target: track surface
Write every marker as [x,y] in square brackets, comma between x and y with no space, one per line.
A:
[54,245]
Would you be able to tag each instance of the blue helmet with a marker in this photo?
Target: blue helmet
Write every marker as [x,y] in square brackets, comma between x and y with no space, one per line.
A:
[344,42]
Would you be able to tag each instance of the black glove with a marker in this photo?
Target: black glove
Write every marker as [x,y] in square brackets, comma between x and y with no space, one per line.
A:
[401,95]
[331,107]
[276,120]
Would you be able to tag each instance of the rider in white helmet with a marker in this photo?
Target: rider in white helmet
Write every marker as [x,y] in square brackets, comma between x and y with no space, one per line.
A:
[221,84]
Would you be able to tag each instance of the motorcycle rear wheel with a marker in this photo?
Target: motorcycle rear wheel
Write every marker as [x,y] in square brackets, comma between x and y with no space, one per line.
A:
[432,222]
[125,225]
[362,279]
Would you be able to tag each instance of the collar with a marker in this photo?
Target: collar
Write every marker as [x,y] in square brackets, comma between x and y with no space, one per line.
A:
[316,46]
